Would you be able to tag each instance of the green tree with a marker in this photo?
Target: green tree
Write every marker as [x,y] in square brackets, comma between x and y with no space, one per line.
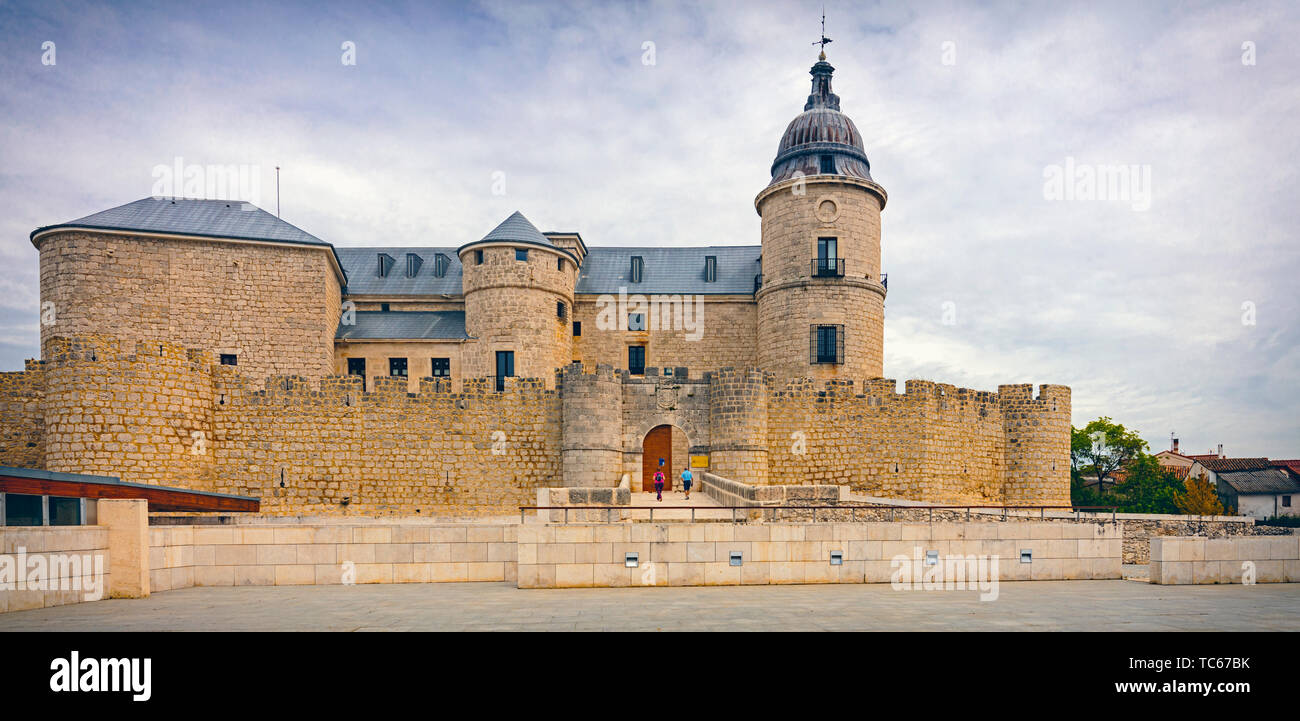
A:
[1149,487]
[1103,447]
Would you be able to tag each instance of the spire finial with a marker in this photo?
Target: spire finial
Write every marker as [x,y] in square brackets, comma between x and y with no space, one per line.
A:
[822,56]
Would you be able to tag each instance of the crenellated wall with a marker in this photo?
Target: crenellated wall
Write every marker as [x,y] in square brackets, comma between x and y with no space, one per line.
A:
[22,417]
[164,414]
[934,442]
[337,449]
[592,414]
[141,410]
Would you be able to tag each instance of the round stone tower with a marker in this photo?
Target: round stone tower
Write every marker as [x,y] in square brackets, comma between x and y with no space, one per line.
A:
[518,289]
[821,304]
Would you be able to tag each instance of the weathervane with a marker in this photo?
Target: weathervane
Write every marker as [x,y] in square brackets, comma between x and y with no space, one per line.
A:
[824,39]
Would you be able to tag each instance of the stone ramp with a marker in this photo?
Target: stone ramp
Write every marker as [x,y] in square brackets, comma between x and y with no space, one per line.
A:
[675,507]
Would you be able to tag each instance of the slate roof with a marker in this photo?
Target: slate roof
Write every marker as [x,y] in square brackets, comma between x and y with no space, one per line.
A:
[670,270]
[1235,464]
[187,216]
[404,325]
[516,228]
[361,265]
[1262,480]
[674,270]
[605,270]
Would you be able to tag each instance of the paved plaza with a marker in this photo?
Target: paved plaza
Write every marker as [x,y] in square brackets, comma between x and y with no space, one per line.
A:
[1027,606]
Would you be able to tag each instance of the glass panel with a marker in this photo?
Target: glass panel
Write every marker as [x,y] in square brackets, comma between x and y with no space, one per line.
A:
[23,510]
[65,511]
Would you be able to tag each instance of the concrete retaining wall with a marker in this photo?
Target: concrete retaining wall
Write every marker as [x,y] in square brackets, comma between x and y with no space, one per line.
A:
[25,548]
[698,554]
[1274,559]
[330,553]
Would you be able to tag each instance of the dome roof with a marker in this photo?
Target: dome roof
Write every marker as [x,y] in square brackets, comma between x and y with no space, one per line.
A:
[821,140]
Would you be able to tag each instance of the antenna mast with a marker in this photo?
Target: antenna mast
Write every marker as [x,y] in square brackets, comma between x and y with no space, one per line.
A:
[277,191]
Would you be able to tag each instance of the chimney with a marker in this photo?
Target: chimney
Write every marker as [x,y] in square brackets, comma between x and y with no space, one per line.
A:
[1175,445]
[1220,450]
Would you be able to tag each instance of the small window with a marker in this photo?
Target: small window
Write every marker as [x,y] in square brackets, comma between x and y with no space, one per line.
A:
[826,344]
[521,254]
[478,257]
[1286,501]
[559,263]
[229,359]
[385,264]
[397,367]
[577,328]
[440,263]
[505,368]
[710,268]
[357,367]
[441,367]
[561,310]
[636,360]
[828,165]
[636,321]
[413,263]
[638,267]
[384,307]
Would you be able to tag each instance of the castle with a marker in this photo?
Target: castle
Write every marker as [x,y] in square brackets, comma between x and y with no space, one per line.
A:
[210,345]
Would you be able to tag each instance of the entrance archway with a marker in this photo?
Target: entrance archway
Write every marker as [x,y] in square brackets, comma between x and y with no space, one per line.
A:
[668,443]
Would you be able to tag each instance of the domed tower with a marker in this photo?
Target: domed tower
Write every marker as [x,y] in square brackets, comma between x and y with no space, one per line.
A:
[518,288]
[821,304]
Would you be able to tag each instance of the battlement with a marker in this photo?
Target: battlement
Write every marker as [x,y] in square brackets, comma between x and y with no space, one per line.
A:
[577,373]
[70,350]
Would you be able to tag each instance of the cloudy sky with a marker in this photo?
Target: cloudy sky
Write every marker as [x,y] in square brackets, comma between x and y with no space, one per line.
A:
[1169,305]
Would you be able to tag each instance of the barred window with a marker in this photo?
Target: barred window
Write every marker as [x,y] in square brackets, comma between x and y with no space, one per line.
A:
[826,344]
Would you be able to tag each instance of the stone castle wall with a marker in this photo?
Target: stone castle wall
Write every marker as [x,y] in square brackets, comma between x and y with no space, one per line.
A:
[275,306]
[337,449]
[934,442]
[163,414]
[22,417]
[140,410]
[792,299]
[726,334]
[511,305]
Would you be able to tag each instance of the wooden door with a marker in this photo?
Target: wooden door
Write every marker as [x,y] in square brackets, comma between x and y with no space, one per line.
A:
[658,444]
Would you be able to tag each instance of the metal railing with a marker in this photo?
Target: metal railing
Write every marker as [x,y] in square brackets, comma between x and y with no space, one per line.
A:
[828,267]
[852,508]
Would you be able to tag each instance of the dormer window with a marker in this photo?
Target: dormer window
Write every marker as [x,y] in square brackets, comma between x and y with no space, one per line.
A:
[440,264]
[413,263]
[828,164]
[385,264]
[710,268]
[638,266]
